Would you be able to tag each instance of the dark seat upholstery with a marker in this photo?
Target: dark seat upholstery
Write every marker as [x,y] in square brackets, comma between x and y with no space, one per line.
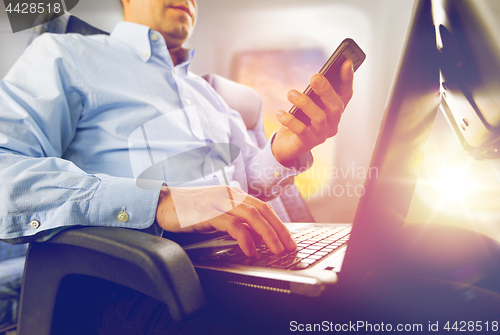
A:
[69,264]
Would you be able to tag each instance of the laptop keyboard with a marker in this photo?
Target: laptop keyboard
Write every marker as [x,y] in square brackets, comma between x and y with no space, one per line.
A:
[313,244]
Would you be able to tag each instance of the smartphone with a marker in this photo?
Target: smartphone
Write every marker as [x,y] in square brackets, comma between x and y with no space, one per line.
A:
[348,49]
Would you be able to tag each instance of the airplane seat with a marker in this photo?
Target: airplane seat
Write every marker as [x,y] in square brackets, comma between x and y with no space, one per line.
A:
[83,261]
[11,272]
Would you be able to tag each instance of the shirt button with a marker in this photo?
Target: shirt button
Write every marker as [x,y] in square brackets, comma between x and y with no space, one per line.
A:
[145,54]
[122,216]
[154,37]
[277,174]
[35,224]
[188,102]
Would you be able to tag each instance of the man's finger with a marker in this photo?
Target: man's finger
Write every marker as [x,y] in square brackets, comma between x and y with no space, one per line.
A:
[304,102]
[267,211]
[333,102]
[252,216]
[233,226]
[291,122]
[257,239]
[346,81]
[272,218]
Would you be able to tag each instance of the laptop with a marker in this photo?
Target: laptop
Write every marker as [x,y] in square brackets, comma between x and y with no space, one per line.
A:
[328,253]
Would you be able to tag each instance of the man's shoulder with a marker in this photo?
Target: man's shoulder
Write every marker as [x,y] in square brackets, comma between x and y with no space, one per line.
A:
[72,40]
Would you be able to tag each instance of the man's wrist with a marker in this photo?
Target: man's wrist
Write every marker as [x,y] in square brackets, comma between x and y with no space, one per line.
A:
[162,198]
[289,162]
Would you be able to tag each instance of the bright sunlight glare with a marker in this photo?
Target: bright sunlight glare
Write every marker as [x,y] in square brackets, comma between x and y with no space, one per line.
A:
[453,184]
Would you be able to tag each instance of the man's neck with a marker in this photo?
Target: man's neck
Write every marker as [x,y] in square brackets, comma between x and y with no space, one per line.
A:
[178,55]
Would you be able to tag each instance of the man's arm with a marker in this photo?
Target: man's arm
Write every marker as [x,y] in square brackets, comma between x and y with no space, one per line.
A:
[269,171]
[41,101]
[266,177]
[250,219]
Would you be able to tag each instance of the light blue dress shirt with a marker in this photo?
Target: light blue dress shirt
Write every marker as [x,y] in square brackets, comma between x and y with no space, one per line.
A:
[81,118]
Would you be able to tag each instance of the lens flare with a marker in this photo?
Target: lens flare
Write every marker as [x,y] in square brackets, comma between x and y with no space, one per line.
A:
[453,184]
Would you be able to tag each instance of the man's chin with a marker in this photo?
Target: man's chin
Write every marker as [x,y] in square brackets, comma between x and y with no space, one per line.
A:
[178,34]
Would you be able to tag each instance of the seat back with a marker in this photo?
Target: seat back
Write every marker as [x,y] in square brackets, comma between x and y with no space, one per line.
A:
[11,273]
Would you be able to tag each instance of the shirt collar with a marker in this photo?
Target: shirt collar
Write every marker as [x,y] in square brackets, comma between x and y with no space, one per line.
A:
[144,41]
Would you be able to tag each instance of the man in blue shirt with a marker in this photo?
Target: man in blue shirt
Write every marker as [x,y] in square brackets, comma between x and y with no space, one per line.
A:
[72,106]
[82,117]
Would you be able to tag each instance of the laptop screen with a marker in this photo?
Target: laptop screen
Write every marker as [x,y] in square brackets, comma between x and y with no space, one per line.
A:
[416,143]
[400,146]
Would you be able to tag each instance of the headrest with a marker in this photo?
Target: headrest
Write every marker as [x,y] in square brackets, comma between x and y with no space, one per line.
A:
[241,98]
[62,24]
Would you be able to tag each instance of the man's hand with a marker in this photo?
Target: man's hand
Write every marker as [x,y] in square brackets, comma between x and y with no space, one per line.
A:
[294,138]
[250,221]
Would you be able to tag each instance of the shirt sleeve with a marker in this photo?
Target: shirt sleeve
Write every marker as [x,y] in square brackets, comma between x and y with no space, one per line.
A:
[266,177]
[41,102]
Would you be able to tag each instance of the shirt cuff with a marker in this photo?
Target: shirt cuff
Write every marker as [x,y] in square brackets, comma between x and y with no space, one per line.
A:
[119,202]
[278,175]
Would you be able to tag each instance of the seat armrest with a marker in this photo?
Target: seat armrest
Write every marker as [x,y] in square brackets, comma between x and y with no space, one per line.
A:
[149,264]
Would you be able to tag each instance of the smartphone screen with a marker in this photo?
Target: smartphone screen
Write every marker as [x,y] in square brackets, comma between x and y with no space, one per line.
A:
[348,49]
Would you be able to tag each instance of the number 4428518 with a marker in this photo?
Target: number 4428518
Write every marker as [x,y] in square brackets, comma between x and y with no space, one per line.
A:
[470,326]
[32,8]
